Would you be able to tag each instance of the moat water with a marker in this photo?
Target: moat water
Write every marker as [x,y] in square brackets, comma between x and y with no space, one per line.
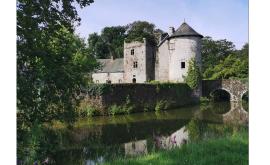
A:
[98,139]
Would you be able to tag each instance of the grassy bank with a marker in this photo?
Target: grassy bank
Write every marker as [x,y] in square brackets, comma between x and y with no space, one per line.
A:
[228,150]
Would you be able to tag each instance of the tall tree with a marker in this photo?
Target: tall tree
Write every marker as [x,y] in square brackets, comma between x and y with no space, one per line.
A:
[97,47]
[114,38]
[141,29]
[235,65]
[51,61]
[109,43]
[214,51]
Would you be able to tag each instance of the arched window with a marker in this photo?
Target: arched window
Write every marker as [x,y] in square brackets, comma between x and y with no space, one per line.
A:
[134,80]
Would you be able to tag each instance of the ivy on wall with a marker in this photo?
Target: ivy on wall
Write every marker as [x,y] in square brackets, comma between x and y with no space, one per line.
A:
[193,77]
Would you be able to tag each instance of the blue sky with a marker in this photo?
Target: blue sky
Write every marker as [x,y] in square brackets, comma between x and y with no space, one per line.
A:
[220,19]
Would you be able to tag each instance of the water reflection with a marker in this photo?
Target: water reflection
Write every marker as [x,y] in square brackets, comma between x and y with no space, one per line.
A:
[98,139]
[136,148]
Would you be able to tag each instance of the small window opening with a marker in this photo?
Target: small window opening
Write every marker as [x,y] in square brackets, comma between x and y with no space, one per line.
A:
[132,52]
[134,80]
[120,81]
[108,81]
[135,64]
[183,65]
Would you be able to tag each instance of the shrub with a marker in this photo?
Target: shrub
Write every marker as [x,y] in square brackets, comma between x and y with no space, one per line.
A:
[85,109]
[127,107]
[162,105]
[146,107]
[114,109]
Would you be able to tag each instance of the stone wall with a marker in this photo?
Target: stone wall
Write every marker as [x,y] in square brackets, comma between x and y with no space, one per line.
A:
[142,96]
[144,55]
[117,77]
[162,63]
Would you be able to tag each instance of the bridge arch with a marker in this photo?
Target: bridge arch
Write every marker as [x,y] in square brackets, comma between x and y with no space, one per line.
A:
[243,93]
[245,100]
[212,93]
[236,88]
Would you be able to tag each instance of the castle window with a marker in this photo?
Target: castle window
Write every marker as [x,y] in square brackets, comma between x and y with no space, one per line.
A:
[135,64]
[171,46]
[120,81]
[183,65]
[132,52]
[108,81]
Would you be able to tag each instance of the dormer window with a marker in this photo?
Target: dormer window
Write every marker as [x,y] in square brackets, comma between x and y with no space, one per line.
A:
[132,52]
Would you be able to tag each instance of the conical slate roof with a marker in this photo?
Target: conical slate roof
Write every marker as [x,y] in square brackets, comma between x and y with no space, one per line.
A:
[185,30]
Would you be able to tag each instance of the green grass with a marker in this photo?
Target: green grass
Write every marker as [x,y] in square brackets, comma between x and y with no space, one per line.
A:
[228,150]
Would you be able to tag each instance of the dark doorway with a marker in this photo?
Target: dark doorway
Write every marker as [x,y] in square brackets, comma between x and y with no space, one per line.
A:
[134,80]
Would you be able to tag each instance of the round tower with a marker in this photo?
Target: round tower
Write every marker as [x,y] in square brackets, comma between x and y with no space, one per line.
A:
[184,44]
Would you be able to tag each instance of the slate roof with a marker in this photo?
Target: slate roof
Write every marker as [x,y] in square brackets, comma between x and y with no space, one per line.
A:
[111,66]
[185,30]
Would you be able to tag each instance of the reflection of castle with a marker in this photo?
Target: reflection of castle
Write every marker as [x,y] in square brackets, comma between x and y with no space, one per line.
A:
[142,62]
[136,148]
[176,139]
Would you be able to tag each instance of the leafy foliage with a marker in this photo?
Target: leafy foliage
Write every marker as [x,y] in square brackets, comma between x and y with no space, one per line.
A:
[52,66]
[193,77]
[109,43]
[214,51]
[141,29]
[234,65]
[126,108]
[162,105]
[221,60]
[111,40]
[51,61]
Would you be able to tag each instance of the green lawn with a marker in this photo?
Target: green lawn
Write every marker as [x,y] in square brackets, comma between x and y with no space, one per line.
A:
[228,150]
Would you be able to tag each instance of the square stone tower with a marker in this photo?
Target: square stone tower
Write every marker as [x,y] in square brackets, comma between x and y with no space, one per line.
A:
[139,62]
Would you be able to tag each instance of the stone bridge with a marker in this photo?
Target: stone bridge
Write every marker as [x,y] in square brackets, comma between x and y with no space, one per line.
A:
[236,88]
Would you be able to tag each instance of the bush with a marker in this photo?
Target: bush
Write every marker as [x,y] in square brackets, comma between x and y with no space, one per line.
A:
[86,110]
[114,109]
[161,105]
[146,107]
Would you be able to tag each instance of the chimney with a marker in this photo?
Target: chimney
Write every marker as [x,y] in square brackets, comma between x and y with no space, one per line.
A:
[171,30]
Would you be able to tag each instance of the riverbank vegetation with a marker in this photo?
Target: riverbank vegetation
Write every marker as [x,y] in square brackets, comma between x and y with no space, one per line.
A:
[53,66]
[223,146]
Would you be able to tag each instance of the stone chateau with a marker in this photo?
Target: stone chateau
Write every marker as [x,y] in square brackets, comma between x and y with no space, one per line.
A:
[142,62]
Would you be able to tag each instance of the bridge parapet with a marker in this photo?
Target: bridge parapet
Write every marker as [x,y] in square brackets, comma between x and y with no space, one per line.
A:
[236,88]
